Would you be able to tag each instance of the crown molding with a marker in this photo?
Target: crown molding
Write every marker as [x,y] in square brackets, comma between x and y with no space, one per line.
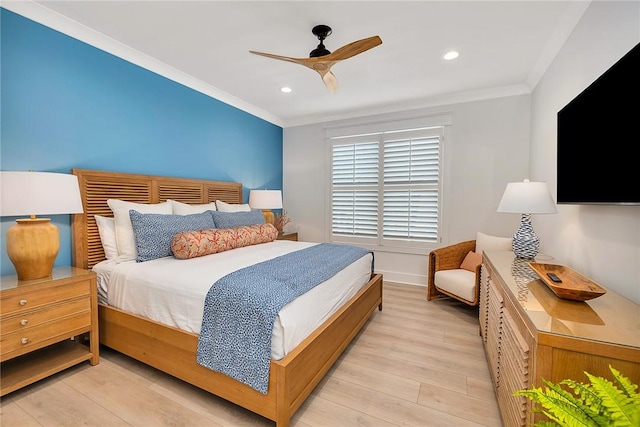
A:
[47,17]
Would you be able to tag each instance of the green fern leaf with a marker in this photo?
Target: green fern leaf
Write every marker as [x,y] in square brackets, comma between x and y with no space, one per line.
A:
[613,400]
[626,384]
[559,405]
[588,397]
[631,407]
[598,404]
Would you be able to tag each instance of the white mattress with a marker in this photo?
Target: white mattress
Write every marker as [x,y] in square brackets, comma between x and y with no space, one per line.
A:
[172,291]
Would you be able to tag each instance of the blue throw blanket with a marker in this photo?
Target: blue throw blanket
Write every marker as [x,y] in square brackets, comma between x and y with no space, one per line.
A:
[240,308]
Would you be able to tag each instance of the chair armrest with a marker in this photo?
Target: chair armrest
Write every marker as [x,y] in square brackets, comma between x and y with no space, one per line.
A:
[450,257]
[446,258]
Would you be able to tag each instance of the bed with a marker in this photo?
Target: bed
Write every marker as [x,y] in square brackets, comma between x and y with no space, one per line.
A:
[173,350]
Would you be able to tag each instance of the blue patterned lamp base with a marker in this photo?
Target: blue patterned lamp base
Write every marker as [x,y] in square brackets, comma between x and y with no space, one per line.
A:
[525,242]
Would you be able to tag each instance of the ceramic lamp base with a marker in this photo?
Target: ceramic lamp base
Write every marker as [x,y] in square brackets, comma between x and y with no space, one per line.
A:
[32,247]
[269,217]
[525,242]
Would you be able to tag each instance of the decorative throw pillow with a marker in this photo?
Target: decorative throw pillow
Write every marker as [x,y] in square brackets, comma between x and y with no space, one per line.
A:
[107,231]
[471,261]
[180,208]
[485,242]
[232,207]
[191,244]
[236,219]
[124,230]
[154,232]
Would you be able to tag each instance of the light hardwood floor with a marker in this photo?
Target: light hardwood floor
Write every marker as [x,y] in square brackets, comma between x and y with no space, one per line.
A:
[416,363]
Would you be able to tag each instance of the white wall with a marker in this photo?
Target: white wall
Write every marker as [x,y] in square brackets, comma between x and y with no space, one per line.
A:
[601,242]
[489,147]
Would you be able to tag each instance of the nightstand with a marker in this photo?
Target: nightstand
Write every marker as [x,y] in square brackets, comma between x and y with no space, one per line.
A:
[43,323]
[288,236]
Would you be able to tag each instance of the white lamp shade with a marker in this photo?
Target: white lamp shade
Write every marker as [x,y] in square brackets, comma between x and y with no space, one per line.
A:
[527,198]
[265,199]
[39,193]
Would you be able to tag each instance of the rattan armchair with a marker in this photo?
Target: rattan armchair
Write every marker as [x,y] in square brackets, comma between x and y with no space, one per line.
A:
[450,258]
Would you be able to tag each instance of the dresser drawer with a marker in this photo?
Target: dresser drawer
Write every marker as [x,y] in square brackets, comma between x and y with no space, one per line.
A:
[29,319]
[18,300]
[24,341]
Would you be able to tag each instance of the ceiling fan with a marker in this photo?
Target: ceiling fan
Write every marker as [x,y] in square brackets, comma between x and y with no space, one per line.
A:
[321,60]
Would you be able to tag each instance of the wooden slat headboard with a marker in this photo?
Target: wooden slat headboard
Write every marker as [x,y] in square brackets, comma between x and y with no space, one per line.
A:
[98,186]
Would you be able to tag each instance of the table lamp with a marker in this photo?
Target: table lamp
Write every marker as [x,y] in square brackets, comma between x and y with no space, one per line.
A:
[33,243]
[526,198]
[266,200]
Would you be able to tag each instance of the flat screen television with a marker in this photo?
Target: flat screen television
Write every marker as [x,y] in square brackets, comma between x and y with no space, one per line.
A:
[598,139]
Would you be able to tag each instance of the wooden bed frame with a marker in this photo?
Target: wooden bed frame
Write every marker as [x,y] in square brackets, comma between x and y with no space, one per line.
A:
[173,351]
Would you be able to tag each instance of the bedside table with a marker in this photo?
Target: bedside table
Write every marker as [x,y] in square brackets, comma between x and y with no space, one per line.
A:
[288,236]
[39,318]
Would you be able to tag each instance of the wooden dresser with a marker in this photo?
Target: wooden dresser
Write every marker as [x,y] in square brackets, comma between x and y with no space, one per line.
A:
[39,318]
[530,334]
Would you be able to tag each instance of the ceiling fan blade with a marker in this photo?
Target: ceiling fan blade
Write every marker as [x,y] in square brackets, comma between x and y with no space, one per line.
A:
[282,58]
[320,64]
[330,81]
[352,49]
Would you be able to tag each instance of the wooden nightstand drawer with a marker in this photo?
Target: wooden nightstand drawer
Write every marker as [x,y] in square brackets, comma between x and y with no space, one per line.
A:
[26,320]
[22,342]
[18,300]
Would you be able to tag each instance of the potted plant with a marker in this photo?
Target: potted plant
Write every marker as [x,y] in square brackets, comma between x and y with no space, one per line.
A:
[599,403]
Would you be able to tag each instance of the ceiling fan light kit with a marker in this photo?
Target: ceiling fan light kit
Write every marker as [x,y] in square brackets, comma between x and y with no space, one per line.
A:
[321,59]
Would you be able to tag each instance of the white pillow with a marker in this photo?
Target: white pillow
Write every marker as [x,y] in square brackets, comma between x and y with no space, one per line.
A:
[485,242]
[180,208]
[124,230]
[107,231]
[228,207]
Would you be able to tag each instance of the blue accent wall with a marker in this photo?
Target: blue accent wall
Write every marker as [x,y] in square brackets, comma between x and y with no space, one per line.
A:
[65,104]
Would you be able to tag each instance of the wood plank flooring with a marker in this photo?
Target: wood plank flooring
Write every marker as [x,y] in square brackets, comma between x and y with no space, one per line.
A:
[416,363]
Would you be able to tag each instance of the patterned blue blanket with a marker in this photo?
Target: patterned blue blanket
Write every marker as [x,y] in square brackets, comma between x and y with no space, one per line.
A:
[240,308]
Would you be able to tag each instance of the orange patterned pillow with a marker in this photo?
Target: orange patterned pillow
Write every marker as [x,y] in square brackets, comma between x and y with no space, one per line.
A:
[191,244]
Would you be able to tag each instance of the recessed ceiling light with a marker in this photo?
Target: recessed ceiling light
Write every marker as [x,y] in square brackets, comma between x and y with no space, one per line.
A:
[285,89]
[451,55]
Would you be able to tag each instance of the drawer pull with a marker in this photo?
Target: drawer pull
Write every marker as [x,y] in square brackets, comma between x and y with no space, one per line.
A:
[23,322]
[24,340]
[23,302]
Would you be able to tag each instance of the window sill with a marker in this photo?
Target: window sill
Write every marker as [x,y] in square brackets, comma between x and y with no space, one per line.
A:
[390,248]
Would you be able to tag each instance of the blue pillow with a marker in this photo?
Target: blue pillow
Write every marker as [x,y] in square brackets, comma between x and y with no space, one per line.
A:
[154,232]
[236,219]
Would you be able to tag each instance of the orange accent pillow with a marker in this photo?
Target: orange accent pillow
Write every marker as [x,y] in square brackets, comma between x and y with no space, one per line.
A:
[191,244]
[471,261]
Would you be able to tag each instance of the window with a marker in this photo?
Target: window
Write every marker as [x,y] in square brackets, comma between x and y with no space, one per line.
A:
[385,187]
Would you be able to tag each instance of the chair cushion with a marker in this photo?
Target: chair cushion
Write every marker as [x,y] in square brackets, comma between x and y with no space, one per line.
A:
[485,242]
[458,282]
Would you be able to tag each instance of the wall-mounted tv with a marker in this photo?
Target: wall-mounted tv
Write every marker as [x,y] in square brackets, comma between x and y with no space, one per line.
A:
[598,139]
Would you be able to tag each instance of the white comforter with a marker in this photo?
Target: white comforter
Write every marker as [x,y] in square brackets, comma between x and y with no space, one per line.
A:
[173,291]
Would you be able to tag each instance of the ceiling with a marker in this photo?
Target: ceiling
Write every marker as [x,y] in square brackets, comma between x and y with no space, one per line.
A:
[505,47]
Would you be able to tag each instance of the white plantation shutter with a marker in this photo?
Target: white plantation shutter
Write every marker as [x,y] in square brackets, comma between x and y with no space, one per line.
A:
[354,198]
[385,187]
[411,182]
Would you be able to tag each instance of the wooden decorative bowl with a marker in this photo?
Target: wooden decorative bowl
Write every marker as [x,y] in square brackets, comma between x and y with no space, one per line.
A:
[574,286]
